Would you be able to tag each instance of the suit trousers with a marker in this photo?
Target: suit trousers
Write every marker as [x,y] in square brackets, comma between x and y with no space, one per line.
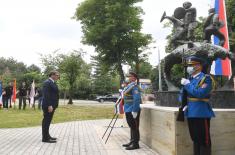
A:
[5,101]
[22,99]
[46,121]
[133,123]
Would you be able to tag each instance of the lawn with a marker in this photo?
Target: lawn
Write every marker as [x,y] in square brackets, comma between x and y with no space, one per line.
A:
[14,118]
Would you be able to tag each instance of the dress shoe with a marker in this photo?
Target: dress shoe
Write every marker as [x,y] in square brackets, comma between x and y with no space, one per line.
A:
[133,147]
[52,138]
[128,144]
[48,141]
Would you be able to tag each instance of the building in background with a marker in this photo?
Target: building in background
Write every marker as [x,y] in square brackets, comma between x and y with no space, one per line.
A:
[146,86]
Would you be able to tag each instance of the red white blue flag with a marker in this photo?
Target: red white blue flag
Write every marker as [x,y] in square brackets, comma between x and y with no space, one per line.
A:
[221,67]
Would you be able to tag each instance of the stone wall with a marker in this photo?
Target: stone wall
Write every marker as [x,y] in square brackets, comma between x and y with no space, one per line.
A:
[160,130]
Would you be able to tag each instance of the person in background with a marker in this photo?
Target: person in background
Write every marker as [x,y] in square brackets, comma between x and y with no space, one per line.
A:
[9,92]
[4,99]
[22,92]
[39,97]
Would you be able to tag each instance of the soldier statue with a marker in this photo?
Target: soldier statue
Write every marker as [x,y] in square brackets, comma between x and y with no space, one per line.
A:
[212,26]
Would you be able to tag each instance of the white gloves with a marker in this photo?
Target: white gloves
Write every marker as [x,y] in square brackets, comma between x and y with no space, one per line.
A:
[185,108]
[134,114]
[184,81]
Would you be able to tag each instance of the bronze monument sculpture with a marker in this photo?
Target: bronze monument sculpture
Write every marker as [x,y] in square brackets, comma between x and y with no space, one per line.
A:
[184,24]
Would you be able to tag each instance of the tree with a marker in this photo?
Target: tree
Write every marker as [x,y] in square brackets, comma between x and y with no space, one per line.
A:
[113,28]
[29,77]
[155,79]
[34,68]
[138,46]
[12,66]
[73,69]
[10,69]
[230,10]
[71,65]
[84,86]
[105,80]
[145,69]
[51,61]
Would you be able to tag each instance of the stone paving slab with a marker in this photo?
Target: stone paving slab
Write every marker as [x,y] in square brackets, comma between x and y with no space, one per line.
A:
[74,138]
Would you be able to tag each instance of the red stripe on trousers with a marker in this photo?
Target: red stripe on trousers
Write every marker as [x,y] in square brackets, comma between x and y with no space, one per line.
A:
[207,132]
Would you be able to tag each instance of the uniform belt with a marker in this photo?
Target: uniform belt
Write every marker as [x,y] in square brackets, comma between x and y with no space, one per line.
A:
[198,99]
[128,101]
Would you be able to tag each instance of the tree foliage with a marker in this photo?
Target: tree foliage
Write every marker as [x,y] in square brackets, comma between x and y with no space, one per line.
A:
[74,71]
[145,69]
[113,28]
[230,8]
[34,68]
[154,76]
[11,69]
[105,80]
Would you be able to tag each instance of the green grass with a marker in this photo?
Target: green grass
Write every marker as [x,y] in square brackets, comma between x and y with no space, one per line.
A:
[14,118]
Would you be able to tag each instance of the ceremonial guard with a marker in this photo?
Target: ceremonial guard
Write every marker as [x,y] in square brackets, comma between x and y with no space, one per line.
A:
[198,110]
[132,101]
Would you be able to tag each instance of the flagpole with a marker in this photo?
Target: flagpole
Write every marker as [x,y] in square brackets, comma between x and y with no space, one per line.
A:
[159,72]
[14,93]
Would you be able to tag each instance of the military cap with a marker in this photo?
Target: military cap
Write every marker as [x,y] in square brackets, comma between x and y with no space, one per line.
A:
[131,73]
[193,60]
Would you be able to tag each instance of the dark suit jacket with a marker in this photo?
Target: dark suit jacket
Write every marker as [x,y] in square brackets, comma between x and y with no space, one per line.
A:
[50,94]
[9,91]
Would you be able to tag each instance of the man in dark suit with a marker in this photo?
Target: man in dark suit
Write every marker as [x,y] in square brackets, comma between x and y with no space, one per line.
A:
[9,92]
[50,101]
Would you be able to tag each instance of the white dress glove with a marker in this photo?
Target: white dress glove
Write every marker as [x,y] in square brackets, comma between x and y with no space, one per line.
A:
[184,81]
[134,114]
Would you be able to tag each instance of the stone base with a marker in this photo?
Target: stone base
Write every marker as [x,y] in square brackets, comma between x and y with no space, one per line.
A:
[219,99]
[160,131]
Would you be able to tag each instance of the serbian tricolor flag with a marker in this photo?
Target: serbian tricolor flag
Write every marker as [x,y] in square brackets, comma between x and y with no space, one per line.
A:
[221,67]
[14,92]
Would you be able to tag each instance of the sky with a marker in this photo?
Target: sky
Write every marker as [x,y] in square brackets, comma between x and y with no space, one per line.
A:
[30,27]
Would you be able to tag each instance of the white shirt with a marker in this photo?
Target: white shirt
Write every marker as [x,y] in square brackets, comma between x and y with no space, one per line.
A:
[196,75]
[52,80]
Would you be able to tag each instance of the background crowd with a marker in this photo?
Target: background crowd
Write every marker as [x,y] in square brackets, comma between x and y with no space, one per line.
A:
[25,94]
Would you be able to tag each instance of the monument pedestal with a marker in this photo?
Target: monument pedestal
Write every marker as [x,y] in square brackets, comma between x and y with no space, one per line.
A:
[160,131]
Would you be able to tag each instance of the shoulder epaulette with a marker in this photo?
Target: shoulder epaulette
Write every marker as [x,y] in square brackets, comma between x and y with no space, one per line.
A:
[212,79]
[131,87]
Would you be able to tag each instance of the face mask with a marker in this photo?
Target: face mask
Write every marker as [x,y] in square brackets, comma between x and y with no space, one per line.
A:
[190,70]
[127,80]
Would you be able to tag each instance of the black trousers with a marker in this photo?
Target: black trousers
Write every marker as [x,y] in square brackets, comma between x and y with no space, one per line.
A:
[46,121]
[134,126]
[5,101]
[22,98]
[199,129]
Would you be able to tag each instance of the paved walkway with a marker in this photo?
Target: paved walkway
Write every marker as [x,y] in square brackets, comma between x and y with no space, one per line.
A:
[74,138]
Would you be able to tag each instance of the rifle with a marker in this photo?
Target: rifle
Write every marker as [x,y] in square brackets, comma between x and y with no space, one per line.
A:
[184,99]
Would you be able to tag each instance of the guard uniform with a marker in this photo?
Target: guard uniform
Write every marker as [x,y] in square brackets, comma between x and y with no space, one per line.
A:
[132,101]
[199,112]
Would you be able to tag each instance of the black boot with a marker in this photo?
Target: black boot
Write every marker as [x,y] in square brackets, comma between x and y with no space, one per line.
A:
[205,150]
[133,146]
[196,149]
[128,144]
